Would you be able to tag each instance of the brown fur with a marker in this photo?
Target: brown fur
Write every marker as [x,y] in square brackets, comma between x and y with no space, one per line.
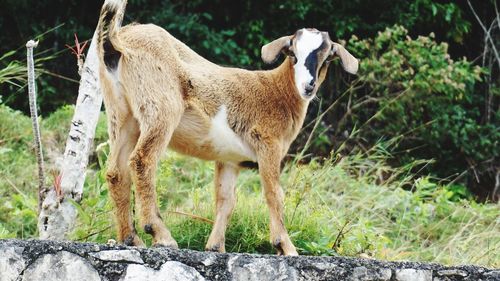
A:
[164,94]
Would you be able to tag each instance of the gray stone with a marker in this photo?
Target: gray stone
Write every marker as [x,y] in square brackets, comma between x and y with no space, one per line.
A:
[452,272]
[61,266]
[119,255]
[493,275]
[55,260]
[169,271]
[260,269]
[362,273]
[210,260]
[11,263]
[410,274]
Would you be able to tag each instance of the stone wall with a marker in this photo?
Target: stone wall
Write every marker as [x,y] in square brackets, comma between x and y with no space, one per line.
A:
[53,261]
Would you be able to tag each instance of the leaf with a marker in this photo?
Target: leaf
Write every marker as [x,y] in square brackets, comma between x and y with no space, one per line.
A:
[434,9]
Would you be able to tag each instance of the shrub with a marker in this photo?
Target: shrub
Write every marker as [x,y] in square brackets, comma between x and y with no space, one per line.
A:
[411,91]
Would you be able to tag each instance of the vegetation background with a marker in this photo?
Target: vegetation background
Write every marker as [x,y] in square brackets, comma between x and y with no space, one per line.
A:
[398,162]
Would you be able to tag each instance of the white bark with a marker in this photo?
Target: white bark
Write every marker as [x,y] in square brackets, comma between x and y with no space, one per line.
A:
[58,215]
[30,45]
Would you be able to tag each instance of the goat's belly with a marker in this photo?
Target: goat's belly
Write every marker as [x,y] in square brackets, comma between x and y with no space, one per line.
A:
[214,140]
[222,148]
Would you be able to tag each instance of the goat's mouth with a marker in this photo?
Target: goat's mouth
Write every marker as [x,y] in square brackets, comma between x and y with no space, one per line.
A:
[307,94]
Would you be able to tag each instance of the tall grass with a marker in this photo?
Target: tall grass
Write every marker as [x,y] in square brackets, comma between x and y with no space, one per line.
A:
[346,205]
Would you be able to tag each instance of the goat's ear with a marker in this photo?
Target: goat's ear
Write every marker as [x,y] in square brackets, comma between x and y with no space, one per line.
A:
[271,51]
[349,62]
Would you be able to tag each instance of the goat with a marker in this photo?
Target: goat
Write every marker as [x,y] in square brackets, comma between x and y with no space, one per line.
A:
[158,93]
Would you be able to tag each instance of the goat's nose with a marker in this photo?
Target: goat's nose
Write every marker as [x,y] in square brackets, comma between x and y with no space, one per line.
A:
[309,88]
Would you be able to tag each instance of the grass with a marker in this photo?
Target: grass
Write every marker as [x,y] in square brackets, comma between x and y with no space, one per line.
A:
[350,206]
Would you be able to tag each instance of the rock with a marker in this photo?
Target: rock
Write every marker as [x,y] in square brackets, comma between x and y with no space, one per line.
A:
[61,266]
[11,263]
[55,260]
[452,272]
[410,274]
[169,271]
[260,269]
[492,275]
[365,274]
[119,255]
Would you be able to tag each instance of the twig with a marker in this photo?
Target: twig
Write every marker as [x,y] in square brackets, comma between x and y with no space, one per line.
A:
[497,186]
[30,45]
[192,216]
[14,187]
[497,13]
[60,76]
[487,34]
[94,233]
[340,235]
[349,90]
[78,52]
[461,175]
[318,120]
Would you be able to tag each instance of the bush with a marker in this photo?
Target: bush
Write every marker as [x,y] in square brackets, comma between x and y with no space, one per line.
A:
[411,91]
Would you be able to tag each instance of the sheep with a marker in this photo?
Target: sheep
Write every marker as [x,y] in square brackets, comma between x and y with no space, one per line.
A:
[159,93]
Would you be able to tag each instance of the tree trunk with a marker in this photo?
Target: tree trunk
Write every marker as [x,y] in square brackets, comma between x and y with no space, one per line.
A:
[58,213]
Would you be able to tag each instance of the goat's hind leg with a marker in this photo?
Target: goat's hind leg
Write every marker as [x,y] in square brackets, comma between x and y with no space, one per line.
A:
[123,138]
[154,137]
[225,184]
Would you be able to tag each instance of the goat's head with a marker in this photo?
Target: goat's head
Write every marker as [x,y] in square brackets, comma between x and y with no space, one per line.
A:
[310,51]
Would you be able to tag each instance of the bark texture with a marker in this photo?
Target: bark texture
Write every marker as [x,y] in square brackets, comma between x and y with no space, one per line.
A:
[58,213]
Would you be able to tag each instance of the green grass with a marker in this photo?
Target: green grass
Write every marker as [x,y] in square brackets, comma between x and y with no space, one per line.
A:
[350,206]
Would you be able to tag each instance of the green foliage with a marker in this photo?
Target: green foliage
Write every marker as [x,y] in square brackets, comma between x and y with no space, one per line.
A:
[417,92]
[18,169]
[345,206]
[422,97]
[17,160]
[16,164]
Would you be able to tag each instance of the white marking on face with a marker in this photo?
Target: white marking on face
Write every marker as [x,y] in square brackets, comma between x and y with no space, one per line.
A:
[226,143]
[308,42]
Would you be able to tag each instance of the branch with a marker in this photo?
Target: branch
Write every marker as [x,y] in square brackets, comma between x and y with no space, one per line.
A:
[30,45]
[487,33]
[497,13]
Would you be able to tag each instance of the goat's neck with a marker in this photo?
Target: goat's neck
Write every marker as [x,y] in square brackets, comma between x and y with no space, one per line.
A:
[284,77]
[287,92]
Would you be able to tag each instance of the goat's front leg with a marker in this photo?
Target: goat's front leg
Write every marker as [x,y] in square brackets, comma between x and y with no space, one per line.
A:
[269,170]
[225,184]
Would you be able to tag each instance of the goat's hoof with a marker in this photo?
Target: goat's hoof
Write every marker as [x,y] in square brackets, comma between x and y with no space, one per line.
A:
[148,228]
[284,251]
[215,248]
[134,240]
[166,244]
[277,245]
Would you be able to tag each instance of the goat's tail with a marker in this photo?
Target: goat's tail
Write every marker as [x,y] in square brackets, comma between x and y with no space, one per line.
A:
[110,22]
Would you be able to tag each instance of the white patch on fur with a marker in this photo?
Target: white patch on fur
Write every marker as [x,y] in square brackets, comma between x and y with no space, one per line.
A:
[115,4]
[308,42]
[228,178]
[226,143]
